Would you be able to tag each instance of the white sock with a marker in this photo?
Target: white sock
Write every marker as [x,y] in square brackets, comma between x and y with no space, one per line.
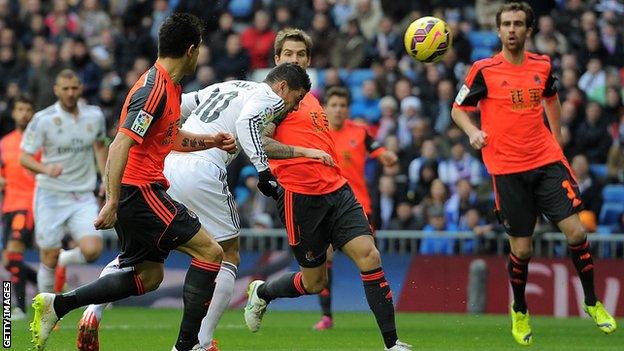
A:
[220,300]
[45,278]
[111,267]
[73,256]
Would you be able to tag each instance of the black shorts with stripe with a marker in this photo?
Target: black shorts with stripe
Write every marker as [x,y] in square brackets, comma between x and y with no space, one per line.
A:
[18,226]
[313,222]
[550,190]
[150,224]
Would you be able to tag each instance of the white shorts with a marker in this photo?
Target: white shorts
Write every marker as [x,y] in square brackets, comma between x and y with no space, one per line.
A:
[59,212]
[201,185]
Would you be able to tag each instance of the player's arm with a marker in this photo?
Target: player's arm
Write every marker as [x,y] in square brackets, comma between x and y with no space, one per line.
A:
[276,150]
[468,97]
[101,151]
[188,142]
[376,150]
[552,106]
[31,142]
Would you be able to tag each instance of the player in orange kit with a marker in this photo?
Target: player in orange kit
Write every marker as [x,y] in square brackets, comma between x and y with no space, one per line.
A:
[317,206]
[353,146]
[19,188]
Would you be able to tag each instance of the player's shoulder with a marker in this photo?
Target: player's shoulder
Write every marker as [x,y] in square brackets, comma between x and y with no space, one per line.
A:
[538,60]
[487,63]
[92,111]
[45,114]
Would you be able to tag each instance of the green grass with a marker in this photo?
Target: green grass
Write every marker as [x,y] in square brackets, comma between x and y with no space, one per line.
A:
[156,329]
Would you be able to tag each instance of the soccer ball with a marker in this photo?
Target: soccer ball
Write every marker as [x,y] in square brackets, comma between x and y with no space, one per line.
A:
[427,39]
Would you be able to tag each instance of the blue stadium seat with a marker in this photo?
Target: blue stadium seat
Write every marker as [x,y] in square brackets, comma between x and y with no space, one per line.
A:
[613,193]
[611,212]
[603,229]
[599,170]
[358,76]
[483,39]
[241,8]
[480,53]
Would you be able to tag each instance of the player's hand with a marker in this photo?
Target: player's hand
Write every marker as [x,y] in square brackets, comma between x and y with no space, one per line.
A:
[267,184]
[225,141]
[107,217]
[388,158]
[53,170]
[319,155]
[478,139]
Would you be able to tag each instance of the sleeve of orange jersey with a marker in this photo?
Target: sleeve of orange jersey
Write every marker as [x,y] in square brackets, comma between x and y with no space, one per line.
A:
[473,90]
[145,107]
[373,147]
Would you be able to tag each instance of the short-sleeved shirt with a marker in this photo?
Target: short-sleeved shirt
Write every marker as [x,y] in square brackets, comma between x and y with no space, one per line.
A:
[510,99]
[353,144]
[306,127]
[66,140]
[20,183]
[150,116]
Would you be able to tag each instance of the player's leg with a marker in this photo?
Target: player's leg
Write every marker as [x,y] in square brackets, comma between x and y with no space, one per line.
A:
[50,216]
[226,278]
[515,208]
[559,200]
[326,321]
[199,285]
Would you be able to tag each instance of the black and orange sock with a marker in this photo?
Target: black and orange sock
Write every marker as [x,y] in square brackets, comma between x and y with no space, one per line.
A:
[109,288]
[15,266]
[584,264]
[287,285]
[199,286]
[325,294]
[518,270]
[379,297]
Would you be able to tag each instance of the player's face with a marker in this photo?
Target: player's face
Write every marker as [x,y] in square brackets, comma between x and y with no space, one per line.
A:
[291,97]
[22,114]
[293,52]
[337,110]
[513,30]
[68,91]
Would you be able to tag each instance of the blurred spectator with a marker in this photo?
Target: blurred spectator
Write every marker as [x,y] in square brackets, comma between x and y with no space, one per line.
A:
[367,106]
[323,36]
[262,221]
[88,72]
[42,80]
[613,106]
[461,165]
[159,13]
[235,63]
[218,38]
[205,77]
[472,221]
[594,81]
[249,199]
[341,12]
[437,243]
[463,199]
[61,21]
[385,41]
[486,13]
[440,108]
[258,40]
[388,120]
[427,173]
[612,42]
[547,31]
[615,157]
[368,13]
[93,20]
[410,112]
[350,47]
[428,153]
[385,207]
[405,218]
[283,18]
[592,48]
[11,69]
[591,137]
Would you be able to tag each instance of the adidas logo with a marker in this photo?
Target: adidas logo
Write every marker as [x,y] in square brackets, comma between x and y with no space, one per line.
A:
[504,83]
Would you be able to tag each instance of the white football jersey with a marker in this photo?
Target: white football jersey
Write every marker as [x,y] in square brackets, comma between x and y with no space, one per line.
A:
[239,107]
[66,141]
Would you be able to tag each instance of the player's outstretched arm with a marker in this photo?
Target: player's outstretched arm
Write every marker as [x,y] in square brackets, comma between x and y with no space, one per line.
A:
[552,106]
[276,150]
[189,142]
[113,172]
[478,138]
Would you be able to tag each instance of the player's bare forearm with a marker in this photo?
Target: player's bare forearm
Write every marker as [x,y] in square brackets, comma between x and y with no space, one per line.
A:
[552,106]
[274,149]
[462,119]
[189,142]
[101,153]
[29,162]
[115,166]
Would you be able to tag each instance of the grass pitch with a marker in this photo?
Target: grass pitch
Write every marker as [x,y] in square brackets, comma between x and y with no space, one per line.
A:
[125,329]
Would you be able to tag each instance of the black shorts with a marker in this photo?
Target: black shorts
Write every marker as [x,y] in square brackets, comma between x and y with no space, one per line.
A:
[550,190]
[150,224]
[18,225]
[314,221]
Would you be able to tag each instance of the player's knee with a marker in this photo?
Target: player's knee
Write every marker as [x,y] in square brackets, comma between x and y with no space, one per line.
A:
[315,285]
[212,253]
[370,258]
[232,256]
[151,281]
[576,235]
[523,253]
[91,253]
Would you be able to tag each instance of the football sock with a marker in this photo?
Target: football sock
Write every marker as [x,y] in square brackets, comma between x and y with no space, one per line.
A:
[109,288]
[220,300]
[16,267]
[287,285]
[325,294]
[518,270]
[111,267]
[584,264]
[73,256]
[45,278]
[199,286]
[379,297]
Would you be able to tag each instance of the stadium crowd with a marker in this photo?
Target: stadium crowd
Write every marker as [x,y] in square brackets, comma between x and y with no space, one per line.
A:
[439,183]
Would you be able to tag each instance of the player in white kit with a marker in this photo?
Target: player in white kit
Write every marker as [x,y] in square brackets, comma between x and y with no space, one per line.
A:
[199,179]
[70,135]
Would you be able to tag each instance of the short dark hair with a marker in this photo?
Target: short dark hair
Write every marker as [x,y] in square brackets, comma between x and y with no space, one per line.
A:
[177,33]
[67,74]
[295,76]
[517,6]
[23,98]
[339,92]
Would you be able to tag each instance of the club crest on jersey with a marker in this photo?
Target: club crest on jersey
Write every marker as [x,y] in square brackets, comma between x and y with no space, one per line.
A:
[268,115]
[57,121]
[537,79]
[461,95]
[141,123]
